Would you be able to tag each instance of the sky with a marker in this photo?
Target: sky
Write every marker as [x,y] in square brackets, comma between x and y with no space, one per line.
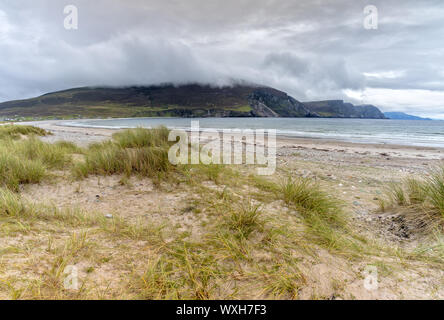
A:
[311,49]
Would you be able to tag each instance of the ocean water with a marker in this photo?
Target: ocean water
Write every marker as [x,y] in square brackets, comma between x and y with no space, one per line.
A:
[403,132]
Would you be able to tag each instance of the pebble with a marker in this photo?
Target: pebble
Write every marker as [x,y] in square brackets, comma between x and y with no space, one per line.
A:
[109,216]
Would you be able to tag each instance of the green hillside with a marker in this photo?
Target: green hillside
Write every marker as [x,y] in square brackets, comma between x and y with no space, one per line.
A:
[191,100]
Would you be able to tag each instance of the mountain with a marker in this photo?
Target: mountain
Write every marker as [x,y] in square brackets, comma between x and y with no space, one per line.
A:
[160,101]
[402,116]
[341,109]
[192,100]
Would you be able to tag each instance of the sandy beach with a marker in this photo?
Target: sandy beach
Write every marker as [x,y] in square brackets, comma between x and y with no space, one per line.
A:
[85,135]
[357,174]
[348,165]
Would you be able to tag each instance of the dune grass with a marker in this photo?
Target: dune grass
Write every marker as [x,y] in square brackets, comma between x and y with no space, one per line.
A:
[238,250]
[25,159]
[28,161]
[434,191]
[16,131]
[140,137]
[139,151]
[53,156]
[308,196]
[10,203]
[15,170]
[323,216]
[311,201]
[421,199]
[244,220]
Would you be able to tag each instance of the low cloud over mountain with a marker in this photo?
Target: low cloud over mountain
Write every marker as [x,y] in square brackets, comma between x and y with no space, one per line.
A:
[314,50]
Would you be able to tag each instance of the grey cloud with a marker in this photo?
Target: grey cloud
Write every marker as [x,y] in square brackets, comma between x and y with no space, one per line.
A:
[314,74]
[314,49]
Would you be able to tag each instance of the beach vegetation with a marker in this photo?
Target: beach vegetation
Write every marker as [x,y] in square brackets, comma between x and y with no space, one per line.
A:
[143,152]
[17,131]
[420,199]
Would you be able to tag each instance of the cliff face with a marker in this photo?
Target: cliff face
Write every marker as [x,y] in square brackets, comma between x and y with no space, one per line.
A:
[273,103]
[340,109]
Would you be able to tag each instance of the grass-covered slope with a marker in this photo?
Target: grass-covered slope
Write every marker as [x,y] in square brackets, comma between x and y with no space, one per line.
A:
[166,101]
[191,100]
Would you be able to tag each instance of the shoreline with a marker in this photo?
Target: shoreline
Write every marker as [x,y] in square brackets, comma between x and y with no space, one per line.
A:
[84,136]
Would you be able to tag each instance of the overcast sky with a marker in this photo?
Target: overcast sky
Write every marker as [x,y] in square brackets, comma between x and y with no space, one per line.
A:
[312,49]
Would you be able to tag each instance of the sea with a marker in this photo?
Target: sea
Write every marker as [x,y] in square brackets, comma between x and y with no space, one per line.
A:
[400,132]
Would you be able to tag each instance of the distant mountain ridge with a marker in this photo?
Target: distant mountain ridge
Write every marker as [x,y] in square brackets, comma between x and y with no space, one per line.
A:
[403,116]
[192,100]
[341,109]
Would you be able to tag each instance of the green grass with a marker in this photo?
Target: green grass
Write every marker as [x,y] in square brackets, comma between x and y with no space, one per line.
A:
[323,216]
[14,131]
[421,199]
[434,190]
[10,204]
[158,282]
[54,156]
[243,108]
[283,280]
[68,146]
[244,220]
[15,170]
[109,159]
[140,151]
[310,199]
[139,137]
[28,160]
[397,194]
